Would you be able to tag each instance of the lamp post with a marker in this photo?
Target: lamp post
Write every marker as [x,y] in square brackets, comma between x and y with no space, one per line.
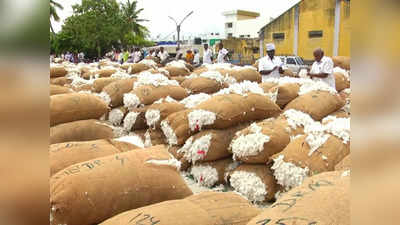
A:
[178,26]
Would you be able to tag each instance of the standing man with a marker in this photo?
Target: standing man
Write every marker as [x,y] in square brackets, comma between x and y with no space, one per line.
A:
[136,55]
[189,56]
[207,56]
[163,55]
[322,68]
[196,60]
[179,54]
[222,54]
[270,66]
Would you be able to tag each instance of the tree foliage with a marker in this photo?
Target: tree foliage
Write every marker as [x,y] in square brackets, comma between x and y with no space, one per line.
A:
[96,26]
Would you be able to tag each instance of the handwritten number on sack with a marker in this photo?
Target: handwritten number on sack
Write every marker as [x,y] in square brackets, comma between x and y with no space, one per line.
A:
[294,219]
[144,221]
[318,184]
[145,217]
[289,203]
[264,222]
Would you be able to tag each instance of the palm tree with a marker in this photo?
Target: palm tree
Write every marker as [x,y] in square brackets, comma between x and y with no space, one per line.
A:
[53,12]
[131,15]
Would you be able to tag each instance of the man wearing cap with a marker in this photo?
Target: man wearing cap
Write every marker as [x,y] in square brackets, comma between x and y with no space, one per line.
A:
[222,54]
[270,66]
[322,68]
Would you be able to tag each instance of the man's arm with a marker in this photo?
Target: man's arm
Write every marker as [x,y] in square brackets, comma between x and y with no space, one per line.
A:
[318,75]
[267,72]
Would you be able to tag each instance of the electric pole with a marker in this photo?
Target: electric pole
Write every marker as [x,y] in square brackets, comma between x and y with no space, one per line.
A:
[178,26]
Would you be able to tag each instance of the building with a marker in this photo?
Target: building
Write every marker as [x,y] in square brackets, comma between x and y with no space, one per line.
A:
[242,24]
[307,25]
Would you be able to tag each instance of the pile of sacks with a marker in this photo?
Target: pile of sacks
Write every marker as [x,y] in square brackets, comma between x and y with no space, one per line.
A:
[120,133]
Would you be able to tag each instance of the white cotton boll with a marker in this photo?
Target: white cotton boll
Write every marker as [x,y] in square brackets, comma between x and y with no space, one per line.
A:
[243,68]
[162,70]
[199,148]
[132,139]
[303,73]
[185,148]
[147,140]
[115,116]
[295,137]
[193,100]
[169,133]
[346,173]
[149,63]
[242,88]
[158,79]
[121,75]
[119,132]
[199,118]
[152,117]
[214,75]
[316,140]
[297,118]
[249,185]
[166,99]
[103,117]
[130,120]
[131,101]
[342,71]
[273,95]
[85,92]
[340,127]
[170,162]
[105,97]
[216,66]
[250,144]
[179,64]
[205,175]
[316,86]
[229,80]
[347,91]
[287,174]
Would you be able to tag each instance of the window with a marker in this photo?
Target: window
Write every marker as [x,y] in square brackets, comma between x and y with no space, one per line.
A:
[315,34]
[216,33]
[242,36]
[278,36]
[248,35]
[290,61]
[230,35]
[229,25]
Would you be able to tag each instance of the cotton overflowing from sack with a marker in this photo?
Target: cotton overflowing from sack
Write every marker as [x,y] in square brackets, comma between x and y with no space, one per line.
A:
[213,173]
[93,191]
[113,93]
[321,199]
[201,209]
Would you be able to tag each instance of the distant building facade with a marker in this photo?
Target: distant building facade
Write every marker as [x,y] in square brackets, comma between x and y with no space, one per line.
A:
[242,24]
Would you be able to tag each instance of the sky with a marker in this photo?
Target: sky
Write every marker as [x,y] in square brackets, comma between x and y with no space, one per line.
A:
[207,16]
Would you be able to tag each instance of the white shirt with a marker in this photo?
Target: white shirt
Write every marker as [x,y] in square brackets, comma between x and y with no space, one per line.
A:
[221,55]
[324,66]
[196,59]
[136,56]
[163,55]
[153,54]
[207,56]
[266,63]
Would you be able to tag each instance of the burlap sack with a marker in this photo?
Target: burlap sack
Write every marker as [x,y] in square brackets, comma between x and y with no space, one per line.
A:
[266,86]
[93,191]
[157,112]
[177,71]
[202,85]
[138,67]
[342,62]
[87,75]
[82,130]
[154,137]
[286,93]
[65,154]
[200,70]
[126,66]
[155,59]
[316,103]
[323,159]
[200,209]
[60,81]
[57,90]
[210,145]
[288,73]
[340,114]
[341,81]
[255,181]
[246,74]
[148,94]
[116,90]
[212,173]
[176,127]
[180,79]
[259,141]
[100,83]
[57,71]
[135,119]
[321,199]
[185,164]
[75,106]
[345,164]
[106,72]
[116,115]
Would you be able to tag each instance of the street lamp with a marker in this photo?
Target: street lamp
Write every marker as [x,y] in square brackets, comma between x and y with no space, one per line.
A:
[178,26]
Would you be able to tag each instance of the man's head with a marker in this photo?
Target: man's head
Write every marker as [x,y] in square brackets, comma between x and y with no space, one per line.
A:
[195,51]
[318,54]
[205,46]
[177,48]
[162,49]
[270,50]
[220,46]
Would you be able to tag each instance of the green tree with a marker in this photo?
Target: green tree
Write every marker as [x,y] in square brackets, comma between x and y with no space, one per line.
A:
[53,12]
[131,17]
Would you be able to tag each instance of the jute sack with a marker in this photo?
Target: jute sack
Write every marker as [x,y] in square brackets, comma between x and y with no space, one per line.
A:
[180,79]
[114,92]
[157,112]
[65,154]
[138,67]
[177,71]
[200,209]
[200,70]
[82,130]
[210,145]
[114,184]
[345,164]
[255,181]
[126,66]
[154,137]
[135,119]
[148,94]
[340,114]
[185,164]
[316,103]
[288,73]
[322,199]
[213,173]
[75,106]
[60,81]
[100,83]
[266,86]
[202,85]
[297,161]
[57,71]
[259,141]
[106,72]
[341,81]
[155,59]
[342,62]
[57,90]
[176,127]
[84,87]
[286,93]
[246,74]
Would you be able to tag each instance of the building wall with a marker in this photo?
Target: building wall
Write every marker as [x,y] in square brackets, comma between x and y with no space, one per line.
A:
[345,29]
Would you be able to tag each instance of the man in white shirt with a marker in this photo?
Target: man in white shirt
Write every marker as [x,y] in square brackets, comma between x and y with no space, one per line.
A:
[136,55]
[163,55]
[207,56]
[270,66]
[222,54]
[196,59]
[322,68]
